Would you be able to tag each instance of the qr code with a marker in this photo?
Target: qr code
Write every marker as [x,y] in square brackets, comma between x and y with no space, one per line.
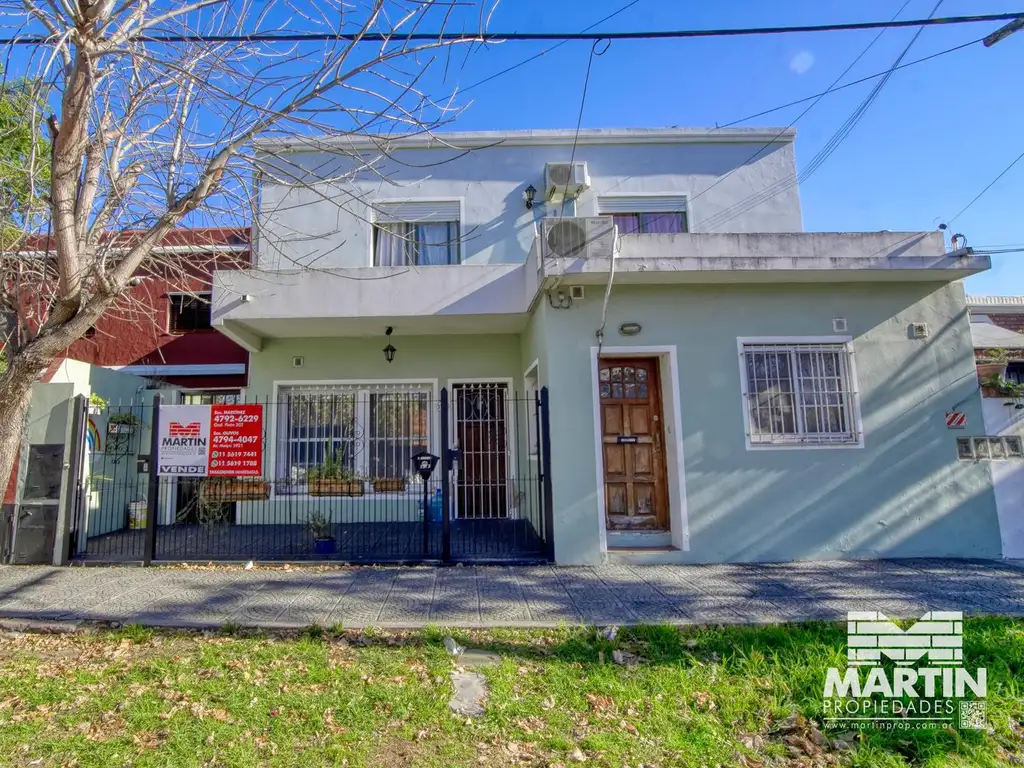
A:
[972,715]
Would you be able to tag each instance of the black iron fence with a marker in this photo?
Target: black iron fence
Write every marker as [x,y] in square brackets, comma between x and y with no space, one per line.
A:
[337,481]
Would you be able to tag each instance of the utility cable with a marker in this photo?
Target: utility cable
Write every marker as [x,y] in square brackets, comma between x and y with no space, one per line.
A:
[546,51]
[988,186]
[751,202]
[495,37]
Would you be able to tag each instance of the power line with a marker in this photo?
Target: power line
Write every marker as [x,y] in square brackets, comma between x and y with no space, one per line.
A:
[834,142]
[546,51]
[850,84]
[797,119]
[988,186]
[579,118]
[495,37]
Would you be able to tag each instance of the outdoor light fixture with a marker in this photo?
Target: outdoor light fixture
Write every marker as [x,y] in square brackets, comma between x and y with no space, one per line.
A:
[389,350]
[630,329]
[528,194]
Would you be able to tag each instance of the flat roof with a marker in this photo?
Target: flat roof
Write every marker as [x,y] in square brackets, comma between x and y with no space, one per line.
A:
[546,137]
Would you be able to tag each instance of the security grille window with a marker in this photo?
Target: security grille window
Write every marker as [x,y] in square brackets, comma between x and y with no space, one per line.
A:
[799,394]
[646,215]
[416,233]
[350,431]
[190,313]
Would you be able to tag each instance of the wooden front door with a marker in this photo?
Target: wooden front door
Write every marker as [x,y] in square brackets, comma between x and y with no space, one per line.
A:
[632,436]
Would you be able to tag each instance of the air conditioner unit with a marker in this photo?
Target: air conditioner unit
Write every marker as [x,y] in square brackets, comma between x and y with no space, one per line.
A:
[565,181]
[593,237]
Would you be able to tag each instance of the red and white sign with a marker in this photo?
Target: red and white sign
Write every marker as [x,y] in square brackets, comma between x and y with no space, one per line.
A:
[236,441]
[956,420]
[211,441]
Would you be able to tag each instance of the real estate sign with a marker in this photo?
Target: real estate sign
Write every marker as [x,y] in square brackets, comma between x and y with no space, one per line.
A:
[211,440]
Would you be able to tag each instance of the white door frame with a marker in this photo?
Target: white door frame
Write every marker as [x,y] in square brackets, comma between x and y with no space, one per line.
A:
[668,379]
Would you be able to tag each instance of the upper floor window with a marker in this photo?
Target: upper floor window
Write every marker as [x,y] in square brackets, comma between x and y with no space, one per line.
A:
[189,313]
[422,233]
[646,214]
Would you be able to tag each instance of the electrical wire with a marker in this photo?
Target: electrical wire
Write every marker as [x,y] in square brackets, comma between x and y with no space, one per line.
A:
[834,142]
[988,186]
[546,51]
[797,119]
[579,118]
[455,37]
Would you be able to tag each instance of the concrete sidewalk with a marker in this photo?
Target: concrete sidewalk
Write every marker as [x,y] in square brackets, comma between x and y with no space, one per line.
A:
[509,596]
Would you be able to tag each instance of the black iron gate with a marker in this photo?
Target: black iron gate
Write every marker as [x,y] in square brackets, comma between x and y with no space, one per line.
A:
[340,485]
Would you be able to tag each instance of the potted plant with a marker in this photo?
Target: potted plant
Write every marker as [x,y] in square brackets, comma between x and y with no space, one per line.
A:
[388,484]
[322,530]
[997,386]
[218,489]
[96,404]
[122,423]
[333,478]
[992,362]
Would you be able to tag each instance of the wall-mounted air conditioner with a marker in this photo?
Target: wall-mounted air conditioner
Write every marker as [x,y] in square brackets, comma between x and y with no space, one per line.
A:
[593,237]
[565,181]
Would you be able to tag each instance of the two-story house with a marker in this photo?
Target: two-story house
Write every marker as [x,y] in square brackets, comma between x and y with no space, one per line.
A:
[721,385]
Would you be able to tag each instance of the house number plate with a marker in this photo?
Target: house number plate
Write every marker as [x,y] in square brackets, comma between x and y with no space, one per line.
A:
[626,439]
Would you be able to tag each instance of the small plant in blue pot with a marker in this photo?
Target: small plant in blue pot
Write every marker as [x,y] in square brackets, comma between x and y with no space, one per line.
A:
[322,530]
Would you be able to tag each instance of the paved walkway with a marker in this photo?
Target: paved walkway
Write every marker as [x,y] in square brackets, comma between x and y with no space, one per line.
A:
[503,596]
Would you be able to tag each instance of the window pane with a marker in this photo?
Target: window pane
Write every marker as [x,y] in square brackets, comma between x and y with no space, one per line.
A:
[770,393]
[821,386]
[398,431]
[628,223]
[662,223]
[437,244]
[190,313]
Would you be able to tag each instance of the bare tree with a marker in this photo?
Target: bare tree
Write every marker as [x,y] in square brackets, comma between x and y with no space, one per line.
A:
[152,108]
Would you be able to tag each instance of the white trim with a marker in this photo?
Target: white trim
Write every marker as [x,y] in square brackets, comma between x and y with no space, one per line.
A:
[456,140]
[535,368]
[858,419]
[270,462]
[670,410]
[372,217]
[198,369]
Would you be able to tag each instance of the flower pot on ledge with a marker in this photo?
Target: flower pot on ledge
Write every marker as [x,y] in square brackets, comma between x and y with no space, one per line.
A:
[389,485]
[989,370]
[329,487]
[234,489]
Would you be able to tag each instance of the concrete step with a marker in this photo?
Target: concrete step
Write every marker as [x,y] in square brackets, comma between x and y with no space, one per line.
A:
[644,555]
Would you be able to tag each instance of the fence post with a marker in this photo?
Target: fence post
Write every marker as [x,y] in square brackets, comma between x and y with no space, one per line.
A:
[446,468]
[153,494]
[545,463]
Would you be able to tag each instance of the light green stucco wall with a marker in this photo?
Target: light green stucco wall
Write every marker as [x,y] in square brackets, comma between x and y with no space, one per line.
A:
[418,358]
[904,494]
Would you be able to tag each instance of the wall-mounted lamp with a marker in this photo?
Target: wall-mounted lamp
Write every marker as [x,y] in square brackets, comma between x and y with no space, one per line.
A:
[630,329]
[528,194]
[389,350]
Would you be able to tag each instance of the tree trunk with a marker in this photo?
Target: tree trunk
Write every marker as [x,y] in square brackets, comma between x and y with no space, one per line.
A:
[15,397]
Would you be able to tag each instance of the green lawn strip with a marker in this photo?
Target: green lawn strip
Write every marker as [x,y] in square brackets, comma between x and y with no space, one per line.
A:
[685,697]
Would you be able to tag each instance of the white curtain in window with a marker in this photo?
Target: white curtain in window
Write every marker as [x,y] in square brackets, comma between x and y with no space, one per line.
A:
[392,245]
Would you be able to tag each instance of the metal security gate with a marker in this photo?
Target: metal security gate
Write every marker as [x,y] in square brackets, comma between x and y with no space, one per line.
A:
[339,482]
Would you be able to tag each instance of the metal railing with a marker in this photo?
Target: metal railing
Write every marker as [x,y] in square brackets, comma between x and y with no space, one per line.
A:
[338,481]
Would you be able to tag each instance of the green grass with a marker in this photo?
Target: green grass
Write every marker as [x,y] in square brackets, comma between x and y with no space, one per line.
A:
[699,696]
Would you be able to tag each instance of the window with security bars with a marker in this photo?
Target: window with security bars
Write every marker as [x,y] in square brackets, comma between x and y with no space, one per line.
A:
[799,394]
[366,432]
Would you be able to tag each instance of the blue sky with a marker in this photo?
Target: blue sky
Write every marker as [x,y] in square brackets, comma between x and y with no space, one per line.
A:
[937,134]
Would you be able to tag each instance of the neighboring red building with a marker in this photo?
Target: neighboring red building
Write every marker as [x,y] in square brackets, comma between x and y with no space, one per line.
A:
[163,331]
